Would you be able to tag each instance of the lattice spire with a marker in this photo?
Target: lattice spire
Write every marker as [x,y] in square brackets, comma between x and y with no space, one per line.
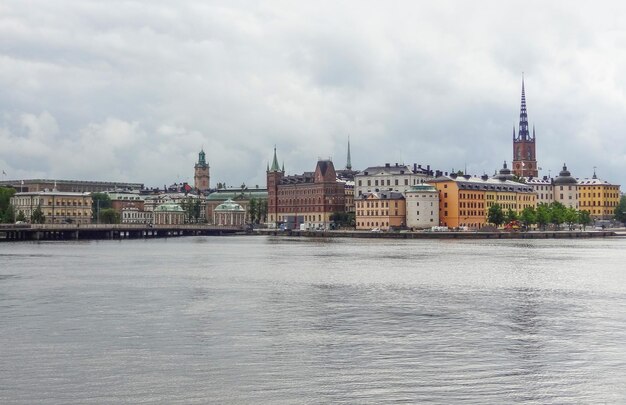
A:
[523,133]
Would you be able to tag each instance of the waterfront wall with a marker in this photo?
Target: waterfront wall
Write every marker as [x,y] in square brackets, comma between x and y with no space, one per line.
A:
[447,235]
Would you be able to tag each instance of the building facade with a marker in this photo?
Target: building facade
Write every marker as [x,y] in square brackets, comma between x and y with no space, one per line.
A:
[598,197]
[398,178]
[382,210]
[70,186]
[422,206]
[58,207]
[464,201]
[566,189]
[169,214]
[229,213]
[524,157]
[241,196]
[308,199]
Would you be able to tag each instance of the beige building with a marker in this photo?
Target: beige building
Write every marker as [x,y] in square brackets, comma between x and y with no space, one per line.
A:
[229,213]
[58,207]
[422,206]
[398,178]
[169,214]
[382,210]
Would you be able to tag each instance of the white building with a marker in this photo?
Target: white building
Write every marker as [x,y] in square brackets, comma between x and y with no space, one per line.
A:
[544,189]
[422,206]
[390,178]
[133,215]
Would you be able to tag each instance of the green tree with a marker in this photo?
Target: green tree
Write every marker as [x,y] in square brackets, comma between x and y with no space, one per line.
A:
[99,202]
[109,216]
[253,210]
[511,216]
[262,210]
[6,210]
[584,218]
[495,215]
[570,217]
[528,216]
[38,217]
[192,208]
[20,217]
[543,216]
[620,210]
[557,213]
[8,216]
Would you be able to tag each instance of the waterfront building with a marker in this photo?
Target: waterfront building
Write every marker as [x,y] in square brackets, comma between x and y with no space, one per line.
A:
[397,177]
[241,196]
[507,193]
[524,157]
[383,210]
[190,201]
[309,198]
[201,178]
[598,197]
[543,188]
[58,207]
[72,186]
[133,215]
[464,200]
[169,214]
[122,200]
[422,206]
[566,189]
[229,213]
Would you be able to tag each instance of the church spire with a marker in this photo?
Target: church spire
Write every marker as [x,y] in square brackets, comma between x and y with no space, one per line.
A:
[523,133]
[275,167]
[349,160]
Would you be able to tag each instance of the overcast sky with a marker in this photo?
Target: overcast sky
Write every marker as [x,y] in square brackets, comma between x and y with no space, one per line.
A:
[132,90]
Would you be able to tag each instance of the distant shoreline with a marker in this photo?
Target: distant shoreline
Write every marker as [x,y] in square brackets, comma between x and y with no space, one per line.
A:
[447,235]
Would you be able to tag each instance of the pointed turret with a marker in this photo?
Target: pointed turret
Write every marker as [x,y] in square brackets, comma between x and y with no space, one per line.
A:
[349,160]
[275,167]
[523,117]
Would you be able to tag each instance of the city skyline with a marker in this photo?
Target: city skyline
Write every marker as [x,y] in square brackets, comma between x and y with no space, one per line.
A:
[131,93]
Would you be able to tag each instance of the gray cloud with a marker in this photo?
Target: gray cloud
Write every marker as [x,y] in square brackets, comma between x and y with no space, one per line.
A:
[124,90]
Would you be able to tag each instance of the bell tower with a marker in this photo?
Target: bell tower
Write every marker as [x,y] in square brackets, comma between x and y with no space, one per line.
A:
[524,158]
[274,176]
[201,178]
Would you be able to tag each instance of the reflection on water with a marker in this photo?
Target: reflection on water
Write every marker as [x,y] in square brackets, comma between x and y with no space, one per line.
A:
[272,320]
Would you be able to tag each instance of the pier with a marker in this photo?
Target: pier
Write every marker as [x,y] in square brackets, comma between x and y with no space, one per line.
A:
[35,232]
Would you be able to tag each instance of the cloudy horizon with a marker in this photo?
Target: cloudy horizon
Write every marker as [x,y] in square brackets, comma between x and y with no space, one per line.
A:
[132,90]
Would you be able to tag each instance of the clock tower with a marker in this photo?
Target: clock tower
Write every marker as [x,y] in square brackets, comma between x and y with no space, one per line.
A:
[201,176]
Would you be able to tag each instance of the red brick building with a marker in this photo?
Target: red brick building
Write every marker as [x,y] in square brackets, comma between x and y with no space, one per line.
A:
[309,199]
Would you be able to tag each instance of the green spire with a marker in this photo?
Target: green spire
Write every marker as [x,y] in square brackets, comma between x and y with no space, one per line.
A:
[275,167]
[201,158]
[349,162]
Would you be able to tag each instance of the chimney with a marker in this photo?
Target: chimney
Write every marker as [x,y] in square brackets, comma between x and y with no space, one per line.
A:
[387,165]
[484,177]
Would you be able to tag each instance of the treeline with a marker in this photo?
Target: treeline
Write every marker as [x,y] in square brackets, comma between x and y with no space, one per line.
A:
[545,214]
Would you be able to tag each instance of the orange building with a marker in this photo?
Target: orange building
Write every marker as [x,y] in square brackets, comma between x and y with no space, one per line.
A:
[461,201]
[465,200]
[383,210]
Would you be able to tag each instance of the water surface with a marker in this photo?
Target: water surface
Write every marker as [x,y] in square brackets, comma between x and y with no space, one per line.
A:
[271,320]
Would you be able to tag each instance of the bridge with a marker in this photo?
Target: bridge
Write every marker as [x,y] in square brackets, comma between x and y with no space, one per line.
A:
[25,232]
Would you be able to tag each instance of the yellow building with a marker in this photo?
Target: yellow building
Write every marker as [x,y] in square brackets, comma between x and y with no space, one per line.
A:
[383,210]
[58,207]
[598,197]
